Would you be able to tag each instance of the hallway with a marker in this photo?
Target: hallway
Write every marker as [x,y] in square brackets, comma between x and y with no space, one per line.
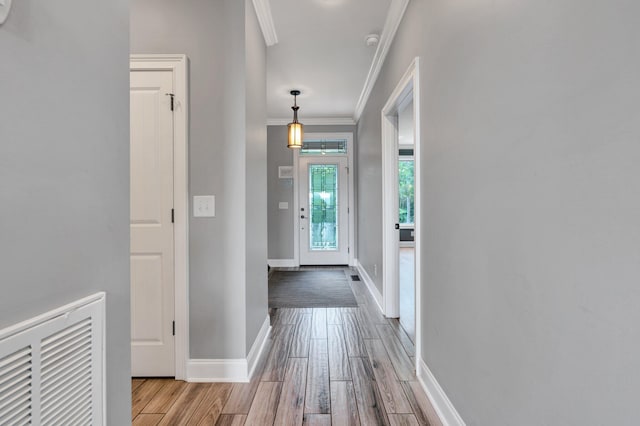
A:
[320,366]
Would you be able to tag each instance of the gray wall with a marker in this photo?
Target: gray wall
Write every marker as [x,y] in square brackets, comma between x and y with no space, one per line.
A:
[223,269]
[281,221]
[530,204]
[64,169]
[256,170]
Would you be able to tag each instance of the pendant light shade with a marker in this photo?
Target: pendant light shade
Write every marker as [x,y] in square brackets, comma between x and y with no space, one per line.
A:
[295,127]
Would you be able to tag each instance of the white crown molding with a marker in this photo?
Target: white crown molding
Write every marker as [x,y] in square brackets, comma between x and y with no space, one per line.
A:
[263,10]
[445,410]
[311,121]
[394,17]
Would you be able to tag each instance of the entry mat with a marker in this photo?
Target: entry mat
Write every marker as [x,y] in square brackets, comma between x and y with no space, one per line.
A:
[310,289]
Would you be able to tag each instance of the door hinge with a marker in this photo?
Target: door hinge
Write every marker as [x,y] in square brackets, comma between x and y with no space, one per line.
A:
[173,328]
[348,249]
[173,216]
[172,97]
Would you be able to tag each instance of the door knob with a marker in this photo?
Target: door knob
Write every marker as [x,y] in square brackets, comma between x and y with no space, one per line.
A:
[397,226]
[302,217]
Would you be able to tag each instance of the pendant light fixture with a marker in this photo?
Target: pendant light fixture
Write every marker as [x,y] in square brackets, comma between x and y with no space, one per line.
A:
[295,127]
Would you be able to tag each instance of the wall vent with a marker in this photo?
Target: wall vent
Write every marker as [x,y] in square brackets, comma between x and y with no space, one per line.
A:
[52,367]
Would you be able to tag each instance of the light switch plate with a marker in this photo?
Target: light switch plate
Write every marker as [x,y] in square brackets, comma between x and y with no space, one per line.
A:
[283,205]
[204,206]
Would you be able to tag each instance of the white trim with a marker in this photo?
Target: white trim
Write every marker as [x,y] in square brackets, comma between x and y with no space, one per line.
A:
[258,346]
[352,200]
[407,244]
[47,316]
[314,121]
[238,370]
[263,11]
[178,64]
[394,17]
[217,370]
[409,85]
[282,263]
[373,290]
[445,410]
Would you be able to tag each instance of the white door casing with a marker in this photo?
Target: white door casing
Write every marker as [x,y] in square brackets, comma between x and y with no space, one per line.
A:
[324,256]
[409,85]
[152,239]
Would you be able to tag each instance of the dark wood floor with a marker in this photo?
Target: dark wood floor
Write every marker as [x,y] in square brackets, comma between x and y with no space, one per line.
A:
[320,366]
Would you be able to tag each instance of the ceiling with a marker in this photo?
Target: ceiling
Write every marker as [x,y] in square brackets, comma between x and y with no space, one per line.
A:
[321,51]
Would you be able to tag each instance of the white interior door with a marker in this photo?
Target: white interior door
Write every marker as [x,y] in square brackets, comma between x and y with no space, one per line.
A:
[324,217]
[152,252]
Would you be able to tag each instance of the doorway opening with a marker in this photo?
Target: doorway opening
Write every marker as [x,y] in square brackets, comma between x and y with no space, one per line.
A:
[401,204]
[159,215]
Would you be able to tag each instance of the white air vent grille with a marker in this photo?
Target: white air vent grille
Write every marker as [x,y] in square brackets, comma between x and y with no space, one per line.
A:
[52,367]
[15,388]
[65,384]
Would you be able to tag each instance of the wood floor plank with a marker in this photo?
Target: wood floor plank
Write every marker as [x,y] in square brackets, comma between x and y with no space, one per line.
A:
[403,420]
[242,394]
[319,323]
[287,315]
[339,368]
[353,338]
[316,420]
[143,394]
[291,405]
[300,344]
[370,405]
[147,419]
[425,413]
[164,399]
[263,409]
[399,358]
[374,312]
[318,393]
[390,388]
[186,404]
[365,325]
[210,408]
[344,409]
[231,420]
[135,383]
[333,316]
[276,363]
[406,342]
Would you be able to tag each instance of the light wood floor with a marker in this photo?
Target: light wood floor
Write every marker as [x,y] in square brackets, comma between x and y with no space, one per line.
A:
[320,366]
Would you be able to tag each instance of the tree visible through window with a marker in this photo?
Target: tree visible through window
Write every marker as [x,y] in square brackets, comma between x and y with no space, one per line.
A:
[406,203]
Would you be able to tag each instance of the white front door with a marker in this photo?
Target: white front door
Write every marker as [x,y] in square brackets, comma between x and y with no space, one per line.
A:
[152,252]
[324,217]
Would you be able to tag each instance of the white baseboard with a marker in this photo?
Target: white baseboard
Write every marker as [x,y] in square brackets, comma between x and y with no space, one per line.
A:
[237,370]
[217,370]
[441,403]
[370,284]
[258,346]
[282,263]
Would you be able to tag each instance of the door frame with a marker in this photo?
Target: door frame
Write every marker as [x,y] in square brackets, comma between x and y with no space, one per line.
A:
[178,65]
[296,193]
[407,86]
